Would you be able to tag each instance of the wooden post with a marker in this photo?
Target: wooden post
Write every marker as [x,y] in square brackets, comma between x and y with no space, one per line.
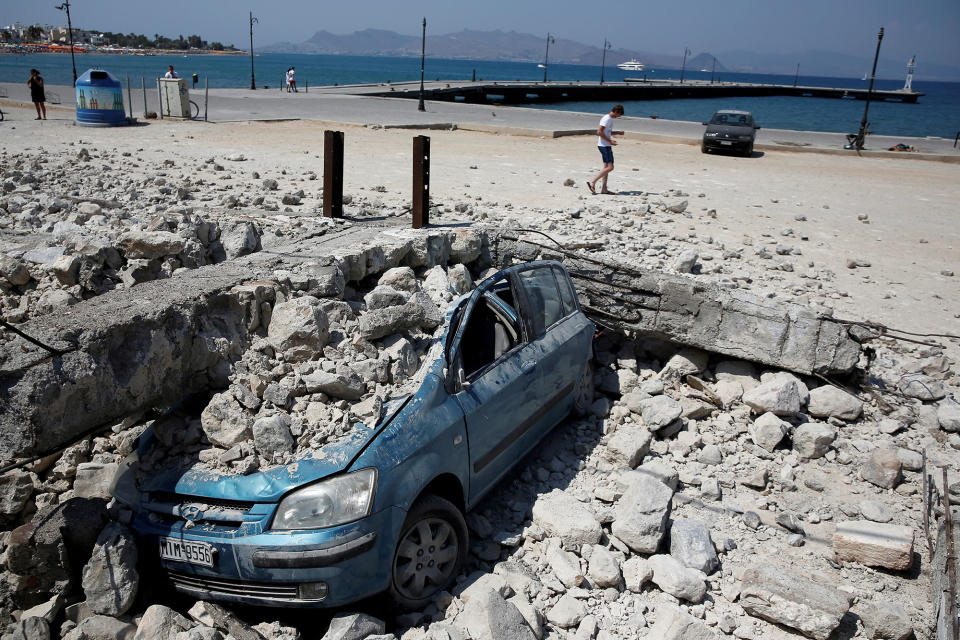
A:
[333,174]
[421,182]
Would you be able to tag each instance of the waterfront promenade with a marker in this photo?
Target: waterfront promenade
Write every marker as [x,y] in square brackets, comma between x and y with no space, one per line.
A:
[354,105]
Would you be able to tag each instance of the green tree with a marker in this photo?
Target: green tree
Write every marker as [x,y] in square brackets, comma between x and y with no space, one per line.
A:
[33,33]
[6,35]
[216,46]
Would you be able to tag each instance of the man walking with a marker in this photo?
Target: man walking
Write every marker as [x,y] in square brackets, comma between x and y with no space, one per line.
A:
[605,143]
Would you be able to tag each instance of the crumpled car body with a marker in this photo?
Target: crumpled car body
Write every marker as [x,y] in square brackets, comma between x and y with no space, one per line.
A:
[509,363]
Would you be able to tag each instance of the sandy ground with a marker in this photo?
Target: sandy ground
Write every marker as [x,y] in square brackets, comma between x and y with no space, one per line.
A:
[909,236]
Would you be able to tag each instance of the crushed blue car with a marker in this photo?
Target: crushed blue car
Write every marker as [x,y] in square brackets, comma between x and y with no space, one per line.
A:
[382,509]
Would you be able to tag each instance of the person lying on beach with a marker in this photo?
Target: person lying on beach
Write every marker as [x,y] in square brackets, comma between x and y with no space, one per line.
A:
[605,143]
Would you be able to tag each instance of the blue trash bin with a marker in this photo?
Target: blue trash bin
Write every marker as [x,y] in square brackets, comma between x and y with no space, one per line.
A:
[99,100]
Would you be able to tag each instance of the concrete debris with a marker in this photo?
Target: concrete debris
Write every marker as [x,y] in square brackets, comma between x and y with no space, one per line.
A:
[793,600]
[563,516]
[642,513]
[110,577]
[675,624]
[874,544]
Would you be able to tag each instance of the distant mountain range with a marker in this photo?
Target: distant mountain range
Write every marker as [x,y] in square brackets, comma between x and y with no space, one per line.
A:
[524,47]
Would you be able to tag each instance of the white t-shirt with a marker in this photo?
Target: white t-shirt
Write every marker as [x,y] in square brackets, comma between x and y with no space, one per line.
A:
[607,123]
[171,74]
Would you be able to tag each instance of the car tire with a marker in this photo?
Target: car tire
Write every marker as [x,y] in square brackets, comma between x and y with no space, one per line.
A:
[585,392]
[430,552]
[703,148]
[749,151]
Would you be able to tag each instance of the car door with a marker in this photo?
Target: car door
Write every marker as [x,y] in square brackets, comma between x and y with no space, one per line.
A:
[560,339]
[497,379]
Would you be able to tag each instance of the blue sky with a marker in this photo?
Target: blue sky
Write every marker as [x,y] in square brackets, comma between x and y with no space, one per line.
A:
[928,28]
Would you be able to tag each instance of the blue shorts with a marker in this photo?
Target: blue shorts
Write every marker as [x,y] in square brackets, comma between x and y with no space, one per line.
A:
[607,154]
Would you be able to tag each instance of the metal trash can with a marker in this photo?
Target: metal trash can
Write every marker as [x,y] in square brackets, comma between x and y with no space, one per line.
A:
[174,98]
[99,100]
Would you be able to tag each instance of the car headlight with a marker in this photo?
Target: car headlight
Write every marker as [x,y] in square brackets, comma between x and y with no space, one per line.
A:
[328,503]
[710,135]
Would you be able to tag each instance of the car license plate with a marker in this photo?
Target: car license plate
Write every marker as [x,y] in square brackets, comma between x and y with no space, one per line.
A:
[726,142]
[186,551]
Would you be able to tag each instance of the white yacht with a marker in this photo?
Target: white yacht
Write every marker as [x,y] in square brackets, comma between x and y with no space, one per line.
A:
[631,65]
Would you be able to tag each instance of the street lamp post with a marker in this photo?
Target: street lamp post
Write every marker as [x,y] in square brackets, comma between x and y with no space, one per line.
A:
[66,7]
[866,107]
[423,50]
[683,66]
[713,69]
[796,75]
[253,82]
[603,64]
[546,56]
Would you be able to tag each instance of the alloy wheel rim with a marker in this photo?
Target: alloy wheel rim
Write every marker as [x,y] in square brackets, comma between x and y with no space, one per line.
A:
[425,558]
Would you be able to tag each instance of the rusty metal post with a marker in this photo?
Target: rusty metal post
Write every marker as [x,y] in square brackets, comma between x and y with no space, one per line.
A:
[421,182]
[951,561]
[333,174]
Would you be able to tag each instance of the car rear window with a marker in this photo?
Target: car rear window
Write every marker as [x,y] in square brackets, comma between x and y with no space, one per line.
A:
[546,307]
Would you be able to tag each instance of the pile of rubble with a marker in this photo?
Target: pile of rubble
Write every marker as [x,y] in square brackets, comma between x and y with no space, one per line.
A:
[324,366]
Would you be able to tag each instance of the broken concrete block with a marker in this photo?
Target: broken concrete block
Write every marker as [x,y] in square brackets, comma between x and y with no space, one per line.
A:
[780,396]
[641,514]
[299,328]
[93,480]
[627,446]
[150,244]
[674,623]
[882,468]
[828,401]
[659,411]
[160,623]
[785,597]
[677,580]
[110,577]
[271,435]
[921,387]
[768,431]
[812,440]
[884,620]
[948,414]
[225,422]
[690,543]
[213,615]
[874,544]
[562,516]
[488,616]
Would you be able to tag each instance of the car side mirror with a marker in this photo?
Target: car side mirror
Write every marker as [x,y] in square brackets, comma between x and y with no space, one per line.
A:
[756,126]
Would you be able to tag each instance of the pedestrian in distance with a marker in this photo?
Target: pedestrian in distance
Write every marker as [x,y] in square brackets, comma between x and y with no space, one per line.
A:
[37,94]
[291,80]
[171,73]
[606,143]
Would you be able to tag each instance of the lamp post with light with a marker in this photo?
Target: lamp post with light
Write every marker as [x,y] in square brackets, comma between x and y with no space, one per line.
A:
[546,56]
[66,7]
[683,65]
[603,64]
[253,83]
[423,50]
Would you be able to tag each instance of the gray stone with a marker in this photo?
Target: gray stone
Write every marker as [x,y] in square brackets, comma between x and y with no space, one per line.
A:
[384,296]
[161,623]
[16,489]
[675,624]
[768,431]
[677,580]
[488,616]
[641,514]
[336,385]
[948,414]
[215,616]
[812,440]
[240,239]
[299,328]
[566,566]
[271,435]
[784,597]
[828,401]
[13,271]
[566,613]
[921,387]
[710,455]
[874,544]
[225,422]
[684,363]
[780,396]
[657,468]
[690,543]
[636,573]
[882,468]
[110,578]
[562,516]
[101,627]
[627,446]
[884,620]
[93,480]
[29,628]
[686,261]
[44,256]
[399,278]
[150,244]
[604,569]
[876,511]
[659,411]
[353,626]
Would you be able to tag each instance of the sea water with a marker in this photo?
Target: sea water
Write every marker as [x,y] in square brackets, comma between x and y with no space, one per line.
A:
[936,114]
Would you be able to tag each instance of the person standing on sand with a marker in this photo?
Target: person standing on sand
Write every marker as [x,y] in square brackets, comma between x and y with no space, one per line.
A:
[37,94]
[605,142]
[291,80]
[170,72]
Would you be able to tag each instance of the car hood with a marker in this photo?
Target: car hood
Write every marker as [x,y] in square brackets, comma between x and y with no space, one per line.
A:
[728,130]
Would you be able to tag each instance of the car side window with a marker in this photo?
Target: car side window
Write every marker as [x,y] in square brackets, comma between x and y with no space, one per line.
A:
[492,330]
[543,299]
[567,294]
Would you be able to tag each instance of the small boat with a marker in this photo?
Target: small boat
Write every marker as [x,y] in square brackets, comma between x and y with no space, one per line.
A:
[631,65]
[540,66]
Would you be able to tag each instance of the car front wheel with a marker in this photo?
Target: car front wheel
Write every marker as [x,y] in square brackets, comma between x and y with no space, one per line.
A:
[431,550]
[703,148]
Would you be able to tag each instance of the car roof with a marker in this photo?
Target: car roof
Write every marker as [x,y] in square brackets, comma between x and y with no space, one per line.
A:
[736,111]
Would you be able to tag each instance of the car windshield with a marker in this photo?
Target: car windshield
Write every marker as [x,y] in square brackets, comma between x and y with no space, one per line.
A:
[733,119]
